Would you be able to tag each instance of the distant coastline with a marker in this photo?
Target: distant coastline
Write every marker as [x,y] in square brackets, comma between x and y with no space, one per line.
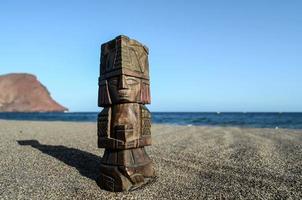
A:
[23,92]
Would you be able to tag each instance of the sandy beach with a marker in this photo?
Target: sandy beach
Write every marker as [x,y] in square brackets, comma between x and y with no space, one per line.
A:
[59,160]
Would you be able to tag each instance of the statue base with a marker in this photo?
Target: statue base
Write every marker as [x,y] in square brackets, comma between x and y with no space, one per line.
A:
[127,177]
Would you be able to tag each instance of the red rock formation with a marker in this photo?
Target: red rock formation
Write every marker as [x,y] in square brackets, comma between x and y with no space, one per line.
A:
[24,93]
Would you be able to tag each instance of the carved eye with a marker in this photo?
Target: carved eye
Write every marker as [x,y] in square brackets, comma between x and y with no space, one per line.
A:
[113,82]
[132,81]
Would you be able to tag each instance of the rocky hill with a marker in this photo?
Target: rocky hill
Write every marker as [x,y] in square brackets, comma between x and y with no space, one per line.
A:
[24,93]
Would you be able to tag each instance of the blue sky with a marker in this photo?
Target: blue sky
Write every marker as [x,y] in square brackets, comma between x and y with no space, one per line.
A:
[204,55]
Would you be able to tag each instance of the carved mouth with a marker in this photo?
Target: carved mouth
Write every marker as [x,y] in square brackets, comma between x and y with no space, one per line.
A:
[123,94]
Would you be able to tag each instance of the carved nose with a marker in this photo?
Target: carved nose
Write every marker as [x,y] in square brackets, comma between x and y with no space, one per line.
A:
[123,83]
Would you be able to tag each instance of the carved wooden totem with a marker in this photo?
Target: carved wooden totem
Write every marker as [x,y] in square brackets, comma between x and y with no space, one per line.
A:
[124,124]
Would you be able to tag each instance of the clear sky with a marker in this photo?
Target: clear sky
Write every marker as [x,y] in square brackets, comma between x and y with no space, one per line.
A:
[209,55]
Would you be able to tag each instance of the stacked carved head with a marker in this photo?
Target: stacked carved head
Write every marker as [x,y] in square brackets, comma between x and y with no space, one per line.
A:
[124,73]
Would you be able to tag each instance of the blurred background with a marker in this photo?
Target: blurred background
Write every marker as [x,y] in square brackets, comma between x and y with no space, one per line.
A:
[204,55]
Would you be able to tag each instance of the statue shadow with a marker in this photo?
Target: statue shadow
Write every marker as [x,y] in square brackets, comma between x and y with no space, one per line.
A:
[86,163]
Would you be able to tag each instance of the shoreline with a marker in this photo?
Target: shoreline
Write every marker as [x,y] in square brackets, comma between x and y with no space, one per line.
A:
[161,124]
[242,120]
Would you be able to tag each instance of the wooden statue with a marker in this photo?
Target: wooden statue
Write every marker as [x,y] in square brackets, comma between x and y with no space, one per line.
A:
[125,122]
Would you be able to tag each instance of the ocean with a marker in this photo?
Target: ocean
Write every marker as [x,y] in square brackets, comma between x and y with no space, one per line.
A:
[252,120]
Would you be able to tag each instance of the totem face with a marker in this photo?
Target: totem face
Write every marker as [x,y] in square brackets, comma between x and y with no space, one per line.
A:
[124,89]
[124,125]
[124,74]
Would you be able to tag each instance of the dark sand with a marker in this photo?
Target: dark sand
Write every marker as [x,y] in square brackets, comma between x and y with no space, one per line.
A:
[191,162]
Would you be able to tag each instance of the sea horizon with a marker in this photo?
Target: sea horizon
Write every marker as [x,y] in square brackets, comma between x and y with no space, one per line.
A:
[289,120]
